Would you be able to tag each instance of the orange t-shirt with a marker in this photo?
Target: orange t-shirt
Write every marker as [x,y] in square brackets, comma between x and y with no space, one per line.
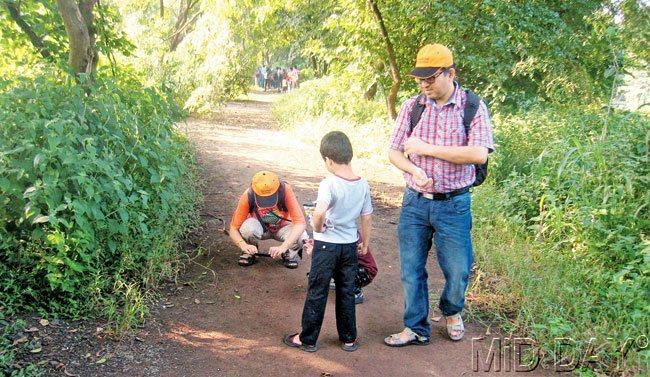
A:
[270,216]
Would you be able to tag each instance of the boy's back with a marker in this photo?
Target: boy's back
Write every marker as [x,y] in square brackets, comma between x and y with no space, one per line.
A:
[346,200]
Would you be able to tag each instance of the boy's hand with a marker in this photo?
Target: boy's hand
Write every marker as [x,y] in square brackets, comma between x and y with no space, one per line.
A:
[308,246]
[276,251]
[362,249]
[248,249]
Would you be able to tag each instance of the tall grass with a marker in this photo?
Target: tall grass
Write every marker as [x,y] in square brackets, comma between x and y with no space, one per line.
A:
[562,235]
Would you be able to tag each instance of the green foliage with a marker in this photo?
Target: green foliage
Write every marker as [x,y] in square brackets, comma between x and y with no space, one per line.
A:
[562,232]
[9,349]
[332,96]
[329,104]
[44,19]
[502,49]
[96,190]
[210,65]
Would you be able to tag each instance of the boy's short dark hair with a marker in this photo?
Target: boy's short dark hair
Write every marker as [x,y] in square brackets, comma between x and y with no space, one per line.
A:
[337,147]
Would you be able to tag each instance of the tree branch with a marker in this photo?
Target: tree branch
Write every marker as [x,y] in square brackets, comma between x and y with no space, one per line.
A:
[392,61]
[36,41]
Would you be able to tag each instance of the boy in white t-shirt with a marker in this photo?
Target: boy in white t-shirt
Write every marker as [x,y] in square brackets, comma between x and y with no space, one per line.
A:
[343,198]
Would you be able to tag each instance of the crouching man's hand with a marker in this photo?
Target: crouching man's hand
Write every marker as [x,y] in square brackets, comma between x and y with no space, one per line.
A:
[248,249]
[276,251]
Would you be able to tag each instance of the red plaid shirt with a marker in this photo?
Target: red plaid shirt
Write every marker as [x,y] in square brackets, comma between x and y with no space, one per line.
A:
[443,126]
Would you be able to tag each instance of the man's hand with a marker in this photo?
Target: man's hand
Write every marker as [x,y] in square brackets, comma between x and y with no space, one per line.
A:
[276,251]
[248,249]
[362,249]
[421,178]
[308,246]
[415,145]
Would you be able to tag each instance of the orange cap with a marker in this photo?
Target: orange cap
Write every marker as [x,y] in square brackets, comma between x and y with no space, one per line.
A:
[430,59]
[265,185]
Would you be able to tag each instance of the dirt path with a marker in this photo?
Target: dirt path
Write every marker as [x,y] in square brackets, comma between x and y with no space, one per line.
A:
[231,323]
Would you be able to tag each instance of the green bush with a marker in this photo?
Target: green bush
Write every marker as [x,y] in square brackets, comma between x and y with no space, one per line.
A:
[333,97]
[96,187]
[328,104]
[562,232]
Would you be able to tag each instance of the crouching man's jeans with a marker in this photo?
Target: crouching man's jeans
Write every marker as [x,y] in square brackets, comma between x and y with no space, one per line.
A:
[449,223]
[252,232]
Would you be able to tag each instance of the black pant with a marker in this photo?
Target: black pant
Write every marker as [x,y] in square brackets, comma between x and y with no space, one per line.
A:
[338,261]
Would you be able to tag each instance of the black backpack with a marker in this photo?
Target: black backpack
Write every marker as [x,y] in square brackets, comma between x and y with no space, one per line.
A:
[252,204]
[471,107]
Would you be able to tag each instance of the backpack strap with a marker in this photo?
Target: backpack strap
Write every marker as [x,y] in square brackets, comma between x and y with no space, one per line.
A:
[416,113]
[472,103]
[252,208]
[282,206]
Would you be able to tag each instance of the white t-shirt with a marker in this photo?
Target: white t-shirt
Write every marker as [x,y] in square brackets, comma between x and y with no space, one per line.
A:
[346,200]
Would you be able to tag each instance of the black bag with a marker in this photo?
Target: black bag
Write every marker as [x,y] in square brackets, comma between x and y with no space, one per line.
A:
[471,107]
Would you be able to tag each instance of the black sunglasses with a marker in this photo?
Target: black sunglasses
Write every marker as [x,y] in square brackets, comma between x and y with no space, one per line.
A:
[430,79]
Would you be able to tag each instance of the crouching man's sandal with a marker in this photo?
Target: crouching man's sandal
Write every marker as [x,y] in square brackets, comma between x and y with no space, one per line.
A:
[406,338]
[246,260]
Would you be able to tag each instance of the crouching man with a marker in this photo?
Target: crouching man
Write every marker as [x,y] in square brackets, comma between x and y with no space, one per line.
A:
[268,209]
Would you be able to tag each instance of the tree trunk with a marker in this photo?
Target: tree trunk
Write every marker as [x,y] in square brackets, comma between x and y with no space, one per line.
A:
[162,8]
[371,92]
[392,61]
[183,25]
[37,41]
[86,9]
[81,53]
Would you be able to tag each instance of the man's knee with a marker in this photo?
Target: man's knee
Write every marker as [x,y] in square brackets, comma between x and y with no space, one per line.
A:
[251,228]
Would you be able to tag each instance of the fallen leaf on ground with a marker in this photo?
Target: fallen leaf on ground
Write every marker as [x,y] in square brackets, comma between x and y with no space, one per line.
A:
[31,329]
[20,340]
[65,371]
[101,361]
[197,301]
[44,322]
[36,350]
[237,297]
[56,364]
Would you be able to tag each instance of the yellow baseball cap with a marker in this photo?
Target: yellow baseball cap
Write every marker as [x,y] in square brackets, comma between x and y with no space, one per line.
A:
[265,185]
[430,59]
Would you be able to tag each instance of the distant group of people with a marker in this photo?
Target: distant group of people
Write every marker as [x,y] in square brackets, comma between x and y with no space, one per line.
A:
[277,79]
[441,140]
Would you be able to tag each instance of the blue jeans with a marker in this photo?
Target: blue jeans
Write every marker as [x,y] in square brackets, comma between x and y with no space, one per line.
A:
[448,223]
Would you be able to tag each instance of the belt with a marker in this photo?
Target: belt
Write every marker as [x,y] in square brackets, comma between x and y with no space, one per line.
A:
[441,196]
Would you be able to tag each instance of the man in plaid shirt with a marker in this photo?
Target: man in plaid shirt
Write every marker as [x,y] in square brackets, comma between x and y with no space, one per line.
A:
[437,159]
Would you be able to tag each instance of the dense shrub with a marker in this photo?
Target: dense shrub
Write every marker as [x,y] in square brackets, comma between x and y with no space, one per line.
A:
[96,188]
[562,232]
